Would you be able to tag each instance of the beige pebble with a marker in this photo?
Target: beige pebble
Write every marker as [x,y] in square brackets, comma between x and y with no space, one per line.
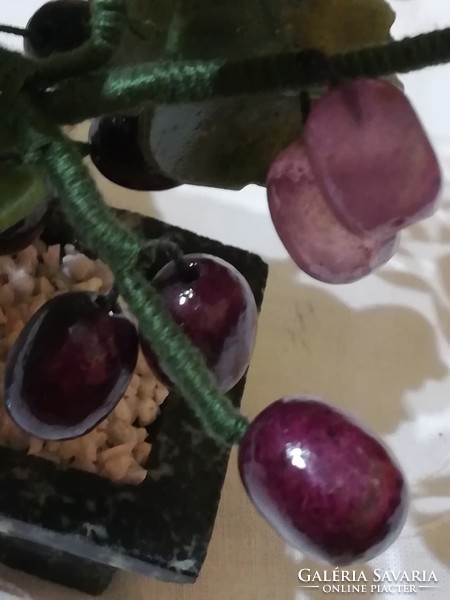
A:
[160,394]
[51,259]
[91,285]
[62,282]
[69,449]
[7,265]
[141,452]
[146,388]
[40,246]
[134,383]
[70,249]
[147,411]
[78,267]
[13,317]
[142,367]
[45,287]
[7,296]
[118,432]
[35,445]
[141,434]
[135,475]
[123,412]
[116,451]
[102,426]
[22,283]
[37,302]
[28,259]
[53,446]
[105,274]
[88,449]
[117,468]
[132,402]
[24,311]
[12,337]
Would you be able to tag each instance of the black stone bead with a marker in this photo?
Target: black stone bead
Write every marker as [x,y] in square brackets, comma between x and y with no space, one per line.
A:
[58,26]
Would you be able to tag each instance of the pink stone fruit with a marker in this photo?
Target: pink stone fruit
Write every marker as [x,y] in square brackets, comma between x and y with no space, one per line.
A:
[310,231]
[371,157]
[328,487]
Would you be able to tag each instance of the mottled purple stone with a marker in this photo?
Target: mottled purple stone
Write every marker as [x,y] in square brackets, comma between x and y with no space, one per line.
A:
[329,488]
[214,305]
[116,153]
[70,366]
[315,239]
[372,158]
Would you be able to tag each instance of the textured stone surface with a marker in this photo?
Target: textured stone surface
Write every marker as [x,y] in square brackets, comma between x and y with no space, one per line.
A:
[326,485]
[145,529]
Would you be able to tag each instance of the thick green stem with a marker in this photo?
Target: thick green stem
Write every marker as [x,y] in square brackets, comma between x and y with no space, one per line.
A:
[99,230]
[121,90]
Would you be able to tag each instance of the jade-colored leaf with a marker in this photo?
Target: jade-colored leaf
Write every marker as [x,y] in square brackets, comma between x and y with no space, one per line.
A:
[22,188]
[337,25]
[230,143]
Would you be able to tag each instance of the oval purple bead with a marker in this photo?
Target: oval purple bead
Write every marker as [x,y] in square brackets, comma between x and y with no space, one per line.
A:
[328,487]
[215,307]
[70,366]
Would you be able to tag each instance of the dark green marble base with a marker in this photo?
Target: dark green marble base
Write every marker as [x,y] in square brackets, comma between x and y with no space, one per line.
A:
[50,518]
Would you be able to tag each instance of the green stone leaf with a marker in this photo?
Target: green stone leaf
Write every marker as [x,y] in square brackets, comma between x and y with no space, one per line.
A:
[229,143]
[337,25]
[22,188]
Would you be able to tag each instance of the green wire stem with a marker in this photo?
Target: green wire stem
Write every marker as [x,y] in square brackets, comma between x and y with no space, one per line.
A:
[122,89]
[107,25]
[118,247]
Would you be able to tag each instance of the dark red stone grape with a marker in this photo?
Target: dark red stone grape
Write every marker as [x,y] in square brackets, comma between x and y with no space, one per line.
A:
[70,366]
[116,153]
[371,157]
[215,307]
[58,26]
[23,233]
[328,487]
[310,231]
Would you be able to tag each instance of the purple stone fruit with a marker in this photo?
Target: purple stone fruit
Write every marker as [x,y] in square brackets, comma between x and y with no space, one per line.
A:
[328,487]
[371,157]
[115,151]
[23,233]
[310,231]
[70,366]
[214,305]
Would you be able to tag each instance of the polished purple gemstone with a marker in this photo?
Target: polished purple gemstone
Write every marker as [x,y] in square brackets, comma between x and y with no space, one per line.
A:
[70,366]
[23,233]
[214,305]
[328,487]
[372,158]
[315,239]
[115,151]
